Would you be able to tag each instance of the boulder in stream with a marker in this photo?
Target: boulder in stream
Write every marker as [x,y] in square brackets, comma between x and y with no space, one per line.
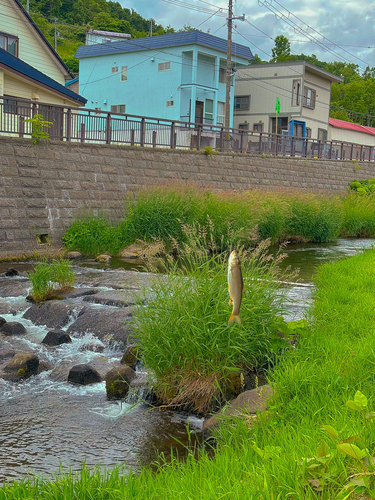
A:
[117,381]
[2,321]
[131,356]
[56,337]
[52,314]
[84,374]
[12,328]
[22,365]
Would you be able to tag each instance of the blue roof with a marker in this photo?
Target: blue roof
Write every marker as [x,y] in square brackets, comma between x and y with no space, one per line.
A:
[164,41]
[71,81]
[12,63]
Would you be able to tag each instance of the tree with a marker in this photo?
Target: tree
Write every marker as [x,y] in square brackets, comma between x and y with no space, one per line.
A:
[281,51]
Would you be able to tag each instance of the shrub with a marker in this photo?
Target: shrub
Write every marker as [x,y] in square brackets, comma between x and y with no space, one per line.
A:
[47,279]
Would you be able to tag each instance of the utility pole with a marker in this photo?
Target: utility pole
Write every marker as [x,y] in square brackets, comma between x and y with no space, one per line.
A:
[150,30]
[229,73]
[55,34]
[27,6]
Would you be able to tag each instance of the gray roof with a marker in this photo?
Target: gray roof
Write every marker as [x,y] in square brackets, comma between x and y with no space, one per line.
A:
[164,41]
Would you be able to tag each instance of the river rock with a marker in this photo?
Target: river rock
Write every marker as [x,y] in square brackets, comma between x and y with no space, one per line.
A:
[53,314]
[106,324]
[117,382]
[131,356]
[11,272]
[104,258]
[133,251]
[56,337]
[12,328]
[83,375]
[2,321]
[118,298]
[247,403]
[73,255]
[22,365]
[14,288]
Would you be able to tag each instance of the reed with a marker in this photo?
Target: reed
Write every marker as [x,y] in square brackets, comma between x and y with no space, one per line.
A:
[48,279]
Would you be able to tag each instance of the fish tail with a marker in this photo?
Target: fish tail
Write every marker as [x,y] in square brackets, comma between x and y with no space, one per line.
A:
[236,318]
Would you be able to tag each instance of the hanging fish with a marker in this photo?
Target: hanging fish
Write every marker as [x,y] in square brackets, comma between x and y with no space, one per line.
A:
[235,286]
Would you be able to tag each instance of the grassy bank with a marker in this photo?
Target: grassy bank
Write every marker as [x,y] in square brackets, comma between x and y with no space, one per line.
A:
[280,215]
[288,453]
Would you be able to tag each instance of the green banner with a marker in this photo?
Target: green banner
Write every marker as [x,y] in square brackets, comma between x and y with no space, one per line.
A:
[277,105]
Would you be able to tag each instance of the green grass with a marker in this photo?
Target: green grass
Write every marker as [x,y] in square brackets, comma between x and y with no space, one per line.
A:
[194,357]
[271,460]
[238,219]
[47,279]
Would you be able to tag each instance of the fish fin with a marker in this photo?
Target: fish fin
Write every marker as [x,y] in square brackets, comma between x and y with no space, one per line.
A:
[228,288]
[230,300]
[236,318]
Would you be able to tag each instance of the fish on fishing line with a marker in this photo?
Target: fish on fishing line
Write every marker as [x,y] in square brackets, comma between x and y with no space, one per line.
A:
[235,286]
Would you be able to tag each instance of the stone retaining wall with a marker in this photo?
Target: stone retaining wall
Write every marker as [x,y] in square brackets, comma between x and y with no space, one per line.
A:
[44,187]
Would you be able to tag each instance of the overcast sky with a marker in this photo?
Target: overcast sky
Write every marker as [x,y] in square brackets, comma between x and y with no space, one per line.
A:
[333,30]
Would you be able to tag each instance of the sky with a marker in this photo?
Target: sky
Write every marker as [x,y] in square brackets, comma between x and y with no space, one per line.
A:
[333,30]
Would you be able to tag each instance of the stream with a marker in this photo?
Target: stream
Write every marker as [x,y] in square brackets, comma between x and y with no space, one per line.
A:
[48,425]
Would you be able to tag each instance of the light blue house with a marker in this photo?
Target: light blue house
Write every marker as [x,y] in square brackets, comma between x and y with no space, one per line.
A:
[179,76]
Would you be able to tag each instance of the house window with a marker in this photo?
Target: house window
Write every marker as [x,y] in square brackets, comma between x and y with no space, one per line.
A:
[9,43]
[220,113]
[124,73]
[296,95]
[322,134]
[12,106]
[258,127]
[165,66]
[118,108]
[222,75]
[243,126]
[309,98]
[114,69]
[97,111]
[242,102]
[170,104]
[308,133]
[209,111]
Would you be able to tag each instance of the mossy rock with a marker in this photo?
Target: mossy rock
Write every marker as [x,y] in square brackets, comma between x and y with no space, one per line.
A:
[117,382]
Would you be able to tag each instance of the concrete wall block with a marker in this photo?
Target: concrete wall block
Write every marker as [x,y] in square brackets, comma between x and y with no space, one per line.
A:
[30,151]
[34,203]
[37,213]
[31,182]
[9,223]
[33,193]
[8,202]
[39,226]
[5,213]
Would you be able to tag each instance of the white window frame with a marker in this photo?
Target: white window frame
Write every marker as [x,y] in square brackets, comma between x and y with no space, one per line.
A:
[309,97]
[124,73]
[164,66]
[14,39]
[220,119]
[209,115]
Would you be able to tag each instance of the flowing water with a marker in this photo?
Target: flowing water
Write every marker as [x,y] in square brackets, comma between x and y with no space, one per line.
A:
[48,425]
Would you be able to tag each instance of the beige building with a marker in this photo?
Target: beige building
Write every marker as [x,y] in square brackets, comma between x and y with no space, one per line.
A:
[304,93]
[342,131]
[29,67]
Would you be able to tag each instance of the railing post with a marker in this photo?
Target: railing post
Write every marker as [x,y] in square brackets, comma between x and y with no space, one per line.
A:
[319,148]
[306,144]
[108,129]
[330,151]
[20,126]
[154,133]
[292,147]
[68,124]
[342,151]
[199,132]
[172,138]
[222,139]
[143,130]
[351,151]
[241,142]
[82,132]
[360,154]
[132,137]
[260,143]
[370,154]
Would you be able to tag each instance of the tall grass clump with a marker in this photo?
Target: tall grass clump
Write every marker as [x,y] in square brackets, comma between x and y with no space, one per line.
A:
[194,357]
[48,279]
[92,236]
[359,216]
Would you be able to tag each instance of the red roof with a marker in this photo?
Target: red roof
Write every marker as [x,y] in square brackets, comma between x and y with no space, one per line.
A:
[351,126]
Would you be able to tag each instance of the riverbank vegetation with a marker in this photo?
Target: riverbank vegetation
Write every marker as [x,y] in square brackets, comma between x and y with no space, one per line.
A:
[317,438]
[160,213]
[51,278]
[196,360]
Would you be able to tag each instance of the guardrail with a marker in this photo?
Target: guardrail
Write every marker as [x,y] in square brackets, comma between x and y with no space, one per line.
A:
[97,126]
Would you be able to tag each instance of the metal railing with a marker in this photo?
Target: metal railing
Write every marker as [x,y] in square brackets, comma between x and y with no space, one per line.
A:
[97,126]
